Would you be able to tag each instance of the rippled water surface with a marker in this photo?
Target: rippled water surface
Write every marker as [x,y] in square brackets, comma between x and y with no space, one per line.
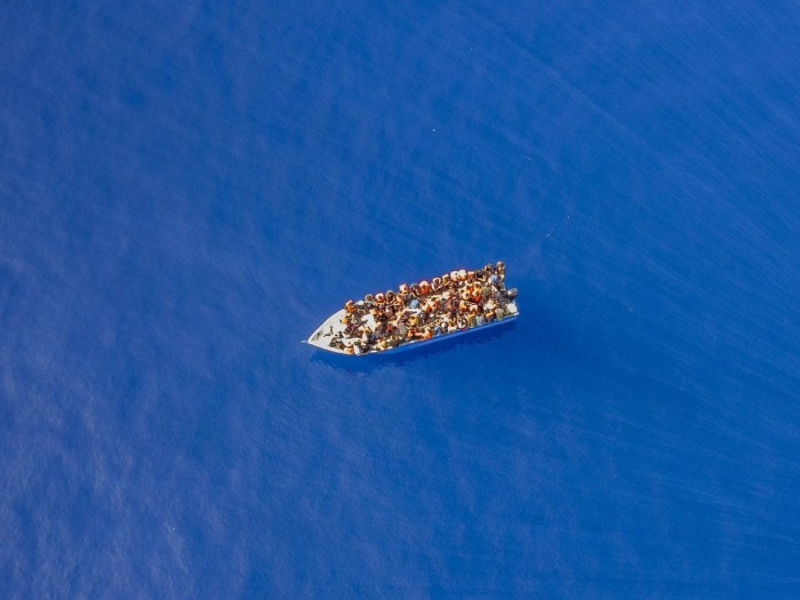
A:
[188,189]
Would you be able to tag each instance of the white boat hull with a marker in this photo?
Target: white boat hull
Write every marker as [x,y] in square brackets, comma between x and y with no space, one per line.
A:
[324,334]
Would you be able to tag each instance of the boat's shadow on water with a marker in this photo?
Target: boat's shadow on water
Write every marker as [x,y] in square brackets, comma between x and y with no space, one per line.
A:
[374,362]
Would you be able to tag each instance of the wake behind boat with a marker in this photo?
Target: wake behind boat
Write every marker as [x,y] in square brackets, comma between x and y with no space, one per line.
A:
[454,304]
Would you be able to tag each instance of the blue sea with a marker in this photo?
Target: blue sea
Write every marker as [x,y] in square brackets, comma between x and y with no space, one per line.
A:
[187,189]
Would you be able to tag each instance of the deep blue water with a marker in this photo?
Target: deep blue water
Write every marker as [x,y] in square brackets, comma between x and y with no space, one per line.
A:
[186,191]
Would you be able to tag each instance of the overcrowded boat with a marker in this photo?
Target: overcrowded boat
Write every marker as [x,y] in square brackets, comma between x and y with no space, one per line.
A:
[455,303]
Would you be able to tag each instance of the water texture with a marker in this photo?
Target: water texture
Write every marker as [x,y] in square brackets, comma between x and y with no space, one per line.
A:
[188,189]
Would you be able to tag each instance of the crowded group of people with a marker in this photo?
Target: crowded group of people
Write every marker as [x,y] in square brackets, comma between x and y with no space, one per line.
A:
[455,301]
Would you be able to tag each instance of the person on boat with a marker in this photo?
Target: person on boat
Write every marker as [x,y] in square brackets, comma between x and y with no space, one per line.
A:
[500,269]
[452,304]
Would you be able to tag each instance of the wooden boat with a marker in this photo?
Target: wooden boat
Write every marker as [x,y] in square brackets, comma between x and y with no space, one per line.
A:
[457,303]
